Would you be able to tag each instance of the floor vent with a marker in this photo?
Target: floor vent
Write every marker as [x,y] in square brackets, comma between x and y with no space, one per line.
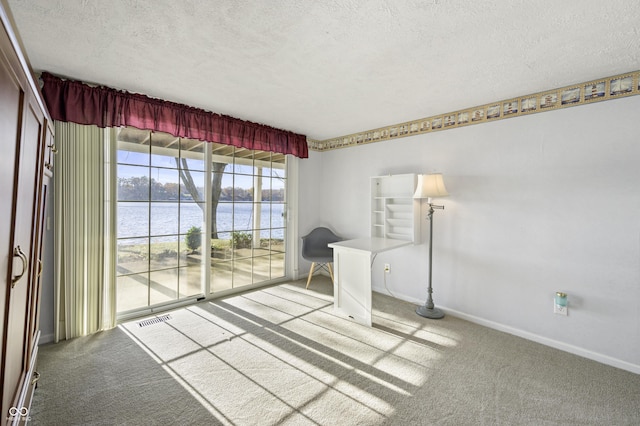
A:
[155,320]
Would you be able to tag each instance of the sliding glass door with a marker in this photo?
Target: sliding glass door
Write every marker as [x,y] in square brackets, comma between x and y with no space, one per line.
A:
[195,218]
[155,214]
[248,243]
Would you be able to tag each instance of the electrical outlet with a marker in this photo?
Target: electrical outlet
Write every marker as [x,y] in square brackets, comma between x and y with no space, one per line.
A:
[387,267]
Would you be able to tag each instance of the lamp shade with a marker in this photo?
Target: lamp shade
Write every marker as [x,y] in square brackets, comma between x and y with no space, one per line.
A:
[430,186]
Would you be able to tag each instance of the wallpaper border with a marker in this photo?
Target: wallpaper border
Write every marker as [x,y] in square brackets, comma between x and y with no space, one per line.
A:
[598,90]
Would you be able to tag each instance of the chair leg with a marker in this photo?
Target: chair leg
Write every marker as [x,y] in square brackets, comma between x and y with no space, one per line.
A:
[330,271]
[313,265]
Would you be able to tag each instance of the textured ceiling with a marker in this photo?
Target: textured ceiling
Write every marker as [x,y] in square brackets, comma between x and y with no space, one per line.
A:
[330,68]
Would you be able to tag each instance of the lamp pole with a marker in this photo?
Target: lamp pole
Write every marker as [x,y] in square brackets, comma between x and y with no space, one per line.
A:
[428,310]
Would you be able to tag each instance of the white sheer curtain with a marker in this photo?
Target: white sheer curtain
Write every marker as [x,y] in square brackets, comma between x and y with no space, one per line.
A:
[84,249]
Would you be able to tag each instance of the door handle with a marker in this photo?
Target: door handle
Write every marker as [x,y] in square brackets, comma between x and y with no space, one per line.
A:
[25,265]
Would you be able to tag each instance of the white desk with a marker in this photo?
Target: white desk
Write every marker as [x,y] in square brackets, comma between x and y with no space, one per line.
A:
[352,261]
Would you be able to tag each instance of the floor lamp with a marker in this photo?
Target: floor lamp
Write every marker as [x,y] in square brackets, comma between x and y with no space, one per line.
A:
[430,186]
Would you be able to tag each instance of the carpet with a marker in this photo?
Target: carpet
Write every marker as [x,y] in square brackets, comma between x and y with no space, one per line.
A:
[279,356]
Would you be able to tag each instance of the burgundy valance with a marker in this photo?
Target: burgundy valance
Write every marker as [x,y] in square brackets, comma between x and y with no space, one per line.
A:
[74,101]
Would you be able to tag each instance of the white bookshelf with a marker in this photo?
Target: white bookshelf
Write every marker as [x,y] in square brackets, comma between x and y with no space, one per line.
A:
[394,212]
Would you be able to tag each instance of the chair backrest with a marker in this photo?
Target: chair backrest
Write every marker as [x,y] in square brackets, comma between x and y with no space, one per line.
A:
[314,245]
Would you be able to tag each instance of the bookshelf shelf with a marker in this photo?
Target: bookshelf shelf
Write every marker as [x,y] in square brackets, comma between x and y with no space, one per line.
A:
[394,212]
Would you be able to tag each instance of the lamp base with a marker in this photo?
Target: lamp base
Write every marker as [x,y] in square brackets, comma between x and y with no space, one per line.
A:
[434,313]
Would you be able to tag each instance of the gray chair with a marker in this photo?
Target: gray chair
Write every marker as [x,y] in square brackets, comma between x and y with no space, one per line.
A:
[315,249]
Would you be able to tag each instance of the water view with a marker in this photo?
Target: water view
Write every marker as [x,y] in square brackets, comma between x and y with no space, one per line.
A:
[166,219]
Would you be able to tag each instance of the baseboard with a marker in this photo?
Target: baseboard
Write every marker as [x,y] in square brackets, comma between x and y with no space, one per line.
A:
[595,356]
[46,338]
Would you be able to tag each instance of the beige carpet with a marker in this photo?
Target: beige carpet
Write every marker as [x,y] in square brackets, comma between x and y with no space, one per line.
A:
[279,356]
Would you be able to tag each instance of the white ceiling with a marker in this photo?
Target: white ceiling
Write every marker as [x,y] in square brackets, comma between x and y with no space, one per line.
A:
[333,67]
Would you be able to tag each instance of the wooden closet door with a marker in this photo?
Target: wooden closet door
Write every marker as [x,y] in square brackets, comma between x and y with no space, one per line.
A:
[11,99]
[21,285]
[40,223]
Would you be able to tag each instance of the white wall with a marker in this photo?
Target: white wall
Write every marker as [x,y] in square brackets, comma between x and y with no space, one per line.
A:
[310,185]
[543,203]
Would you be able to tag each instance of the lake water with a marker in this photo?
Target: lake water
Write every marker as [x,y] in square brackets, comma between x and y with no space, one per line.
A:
[168,219]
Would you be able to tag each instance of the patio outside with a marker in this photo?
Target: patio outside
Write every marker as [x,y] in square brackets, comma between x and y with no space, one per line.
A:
[152,274]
